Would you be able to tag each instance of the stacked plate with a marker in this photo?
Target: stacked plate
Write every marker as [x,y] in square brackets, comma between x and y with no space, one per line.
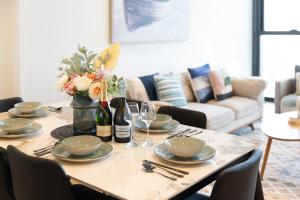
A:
[82,148]
[185,150]
[18,127]
[162,123]
[27,110]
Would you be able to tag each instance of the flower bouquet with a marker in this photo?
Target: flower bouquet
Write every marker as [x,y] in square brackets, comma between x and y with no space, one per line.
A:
[81,78]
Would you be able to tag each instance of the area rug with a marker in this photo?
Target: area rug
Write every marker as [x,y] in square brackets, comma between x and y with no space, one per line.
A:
[282,175]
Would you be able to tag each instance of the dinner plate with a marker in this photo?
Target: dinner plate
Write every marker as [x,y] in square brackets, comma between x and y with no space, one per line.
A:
[162,152]
[139,125]
[61,153]
[29,131]
[39,113]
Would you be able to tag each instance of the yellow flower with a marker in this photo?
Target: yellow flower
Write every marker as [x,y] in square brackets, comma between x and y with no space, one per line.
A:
[109,56]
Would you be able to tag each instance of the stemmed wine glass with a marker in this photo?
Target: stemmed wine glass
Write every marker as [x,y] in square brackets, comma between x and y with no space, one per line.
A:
[148,114]
[132,116]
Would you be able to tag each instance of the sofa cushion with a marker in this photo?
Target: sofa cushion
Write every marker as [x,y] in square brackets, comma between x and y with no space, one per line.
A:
[217,116]
[289,103]
[240,105]
[136,90]
[187,88]
[169,89]
[221,84]
[200,83]
[148,82]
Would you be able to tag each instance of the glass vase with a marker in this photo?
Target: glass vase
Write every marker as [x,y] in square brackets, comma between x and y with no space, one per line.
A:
[84,115]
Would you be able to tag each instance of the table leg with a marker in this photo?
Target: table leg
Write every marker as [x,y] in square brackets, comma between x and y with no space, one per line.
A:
[263,167]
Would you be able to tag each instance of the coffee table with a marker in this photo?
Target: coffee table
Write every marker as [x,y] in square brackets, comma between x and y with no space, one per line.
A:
[277,128]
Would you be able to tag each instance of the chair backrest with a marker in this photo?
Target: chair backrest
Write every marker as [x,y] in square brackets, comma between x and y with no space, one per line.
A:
[6,187]
[185,116]
[6,104]
[36,178]
[240,181]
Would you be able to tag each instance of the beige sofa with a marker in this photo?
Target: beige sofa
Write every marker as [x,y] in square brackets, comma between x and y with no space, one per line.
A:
[245,107]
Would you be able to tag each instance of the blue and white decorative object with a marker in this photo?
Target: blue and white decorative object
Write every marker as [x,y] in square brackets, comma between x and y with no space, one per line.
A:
[169,89]
[200,83]
[149,20]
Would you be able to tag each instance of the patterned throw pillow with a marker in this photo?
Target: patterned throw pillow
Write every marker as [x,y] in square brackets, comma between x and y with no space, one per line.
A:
[221,84]
[169,89]
[200,83]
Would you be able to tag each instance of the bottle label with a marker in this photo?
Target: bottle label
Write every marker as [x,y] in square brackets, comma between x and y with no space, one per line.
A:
[122,131]
[103,131]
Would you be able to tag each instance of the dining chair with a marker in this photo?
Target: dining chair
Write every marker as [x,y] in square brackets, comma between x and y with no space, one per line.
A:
[6,104]
[37,178]
[185,116]
[6,187]
[115,101]
[239,182]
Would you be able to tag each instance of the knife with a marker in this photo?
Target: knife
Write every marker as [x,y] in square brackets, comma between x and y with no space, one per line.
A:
[167,167]
[180,133]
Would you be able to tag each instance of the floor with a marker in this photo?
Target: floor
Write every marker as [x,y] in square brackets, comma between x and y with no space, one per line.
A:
[282,175]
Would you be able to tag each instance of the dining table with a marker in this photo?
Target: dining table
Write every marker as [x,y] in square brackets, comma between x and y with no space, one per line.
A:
[121,174]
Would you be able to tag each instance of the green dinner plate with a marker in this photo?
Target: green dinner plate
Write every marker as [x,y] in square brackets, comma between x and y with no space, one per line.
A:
[171,126]
[29,131]
[39,113]
[162,152]
[61,153]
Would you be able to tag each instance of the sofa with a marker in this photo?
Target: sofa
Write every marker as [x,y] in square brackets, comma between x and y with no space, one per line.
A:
[242,109]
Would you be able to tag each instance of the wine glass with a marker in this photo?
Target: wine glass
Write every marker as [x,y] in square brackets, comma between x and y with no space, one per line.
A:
[148,114]
[132,117]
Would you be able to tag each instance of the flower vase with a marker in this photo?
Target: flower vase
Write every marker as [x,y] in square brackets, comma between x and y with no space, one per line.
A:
[84,115]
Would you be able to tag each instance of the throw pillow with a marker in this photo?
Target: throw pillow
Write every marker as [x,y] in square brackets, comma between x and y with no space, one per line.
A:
[297,83]
[135,90]
[297,69]
[169,89]
[221,84]
[148,82]
[200,83]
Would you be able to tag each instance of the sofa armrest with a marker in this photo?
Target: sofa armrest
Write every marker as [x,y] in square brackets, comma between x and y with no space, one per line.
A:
[282,88]
[250,87]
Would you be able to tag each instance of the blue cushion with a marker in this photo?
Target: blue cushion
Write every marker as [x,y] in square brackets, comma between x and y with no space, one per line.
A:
[169,89]
[200,83]
[148,82]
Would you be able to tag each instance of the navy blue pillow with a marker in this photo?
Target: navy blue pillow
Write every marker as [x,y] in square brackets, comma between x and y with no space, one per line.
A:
[149,84]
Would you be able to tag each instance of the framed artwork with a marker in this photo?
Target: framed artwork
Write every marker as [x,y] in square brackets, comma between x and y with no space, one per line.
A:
[150,20]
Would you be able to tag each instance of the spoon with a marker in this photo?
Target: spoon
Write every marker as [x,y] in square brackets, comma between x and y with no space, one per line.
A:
[55,109]
[150,170]
[170,172]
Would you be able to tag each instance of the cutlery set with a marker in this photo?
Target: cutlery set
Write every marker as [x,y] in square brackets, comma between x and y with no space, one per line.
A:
[45,150]
[151,167]
[185,133]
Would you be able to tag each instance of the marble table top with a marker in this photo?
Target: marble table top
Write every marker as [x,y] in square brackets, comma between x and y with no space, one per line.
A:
[121,174]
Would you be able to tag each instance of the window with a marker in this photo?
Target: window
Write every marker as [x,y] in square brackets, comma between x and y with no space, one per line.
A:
[276,40]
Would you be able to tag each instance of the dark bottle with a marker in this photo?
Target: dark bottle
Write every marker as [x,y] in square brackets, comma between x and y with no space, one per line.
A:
[104,116]
[121,126]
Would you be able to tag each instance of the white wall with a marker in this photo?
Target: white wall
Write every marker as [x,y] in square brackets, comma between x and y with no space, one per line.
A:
[9,54]
[220,34]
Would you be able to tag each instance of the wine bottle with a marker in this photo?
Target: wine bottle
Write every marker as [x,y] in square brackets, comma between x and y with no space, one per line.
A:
[103,115]
[121,126]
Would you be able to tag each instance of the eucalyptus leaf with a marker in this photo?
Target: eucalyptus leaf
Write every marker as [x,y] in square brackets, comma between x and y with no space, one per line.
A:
[91,57]
[78,56]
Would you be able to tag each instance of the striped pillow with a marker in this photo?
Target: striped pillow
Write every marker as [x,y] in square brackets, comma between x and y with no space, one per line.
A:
[221,84]
[200,83]
[169,89]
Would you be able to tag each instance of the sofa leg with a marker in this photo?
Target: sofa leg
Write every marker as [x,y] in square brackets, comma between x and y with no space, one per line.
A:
[252,126]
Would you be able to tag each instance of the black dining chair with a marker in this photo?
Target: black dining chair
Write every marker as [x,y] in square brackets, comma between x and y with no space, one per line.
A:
[239,182]
[6,187]
[42,179]
[185,116]
[115,101]
[6,104]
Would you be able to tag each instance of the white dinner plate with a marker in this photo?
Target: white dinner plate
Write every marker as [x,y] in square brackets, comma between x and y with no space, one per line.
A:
[39,113]
[139,125]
